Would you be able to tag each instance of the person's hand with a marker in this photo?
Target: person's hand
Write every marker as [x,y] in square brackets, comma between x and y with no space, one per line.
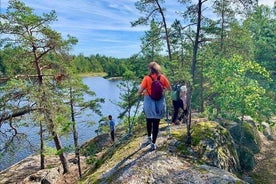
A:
[184,106]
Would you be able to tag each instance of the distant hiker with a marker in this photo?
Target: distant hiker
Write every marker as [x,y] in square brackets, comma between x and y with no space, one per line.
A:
[154,109]
[178,95]
[111,128]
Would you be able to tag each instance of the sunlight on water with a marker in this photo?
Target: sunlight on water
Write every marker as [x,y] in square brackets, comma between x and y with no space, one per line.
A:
[103,88]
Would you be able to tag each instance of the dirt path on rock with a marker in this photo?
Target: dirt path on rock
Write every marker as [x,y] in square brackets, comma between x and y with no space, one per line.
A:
[264,172]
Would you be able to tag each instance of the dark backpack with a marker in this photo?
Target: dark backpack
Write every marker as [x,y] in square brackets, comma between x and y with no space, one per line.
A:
[156,89]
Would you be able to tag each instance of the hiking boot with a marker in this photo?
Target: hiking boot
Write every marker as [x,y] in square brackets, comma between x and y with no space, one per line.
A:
[149,140]
[153,146]
[185,119]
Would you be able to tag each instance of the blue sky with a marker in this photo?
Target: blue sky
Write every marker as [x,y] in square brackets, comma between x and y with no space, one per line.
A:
[101,26]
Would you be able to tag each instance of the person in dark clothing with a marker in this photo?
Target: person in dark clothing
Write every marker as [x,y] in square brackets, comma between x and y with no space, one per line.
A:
[112,128]
[180,103]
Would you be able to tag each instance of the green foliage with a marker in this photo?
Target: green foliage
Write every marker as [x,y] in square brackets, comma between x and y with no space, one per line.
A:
[201,131]
[89,150]
[50,151]
[261,24]
[178,72]
[235,93]
[103,128]
[65,126]
[138,66]
[2,66]
[36,67]
[151,43]
[238,42]
[128,99]
[149,8]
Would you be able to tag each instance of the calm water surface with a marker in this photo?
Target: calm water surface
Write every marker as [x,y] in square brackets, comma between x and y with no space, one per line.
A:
[103,88]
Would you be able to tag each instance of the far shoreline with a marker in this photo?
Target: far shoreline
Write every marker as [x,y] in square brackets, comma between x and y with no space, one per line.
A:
[99,74]
[94,74]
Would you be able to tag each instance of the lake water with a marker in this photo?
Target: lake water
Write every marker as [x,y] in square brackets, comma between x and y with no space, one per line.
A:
[103,88]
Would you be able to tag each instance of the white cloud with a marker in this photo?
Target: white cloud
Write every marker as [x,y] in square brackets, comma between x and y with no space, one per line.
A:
[269,3]
[101,26]
[98,24]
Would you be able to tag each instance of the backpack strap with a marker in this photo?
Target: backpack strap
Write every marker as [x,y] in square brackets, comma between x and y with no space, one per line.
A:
[150,77]
[158,77]
[151,81]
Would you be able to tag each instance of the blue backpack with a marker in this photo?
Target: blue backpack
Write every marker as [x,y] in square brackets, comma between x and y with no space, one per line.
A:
[156,89]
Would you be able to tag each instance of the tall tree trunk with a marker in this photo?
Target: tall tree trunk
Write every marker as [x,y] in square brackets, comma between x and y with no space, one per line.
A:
[57,142]
[166,30]
[201,88]
[61,154]
[75,133]
[42,156]
[193,69]
[51,128]
[47,114]
[77,151]
[222,26]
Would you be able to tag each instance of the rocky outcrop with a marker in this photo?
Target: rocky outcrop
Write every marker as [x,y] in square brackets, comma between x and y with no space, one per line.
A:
[28,171]
[247,142]
[210,159]
[267,131]
[215,146]
[172,162]
[45,176]
[163,168]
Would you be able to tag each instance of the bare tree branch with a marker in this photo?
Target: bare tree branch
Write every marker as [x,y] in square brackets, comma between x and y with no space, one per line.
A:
[20,112]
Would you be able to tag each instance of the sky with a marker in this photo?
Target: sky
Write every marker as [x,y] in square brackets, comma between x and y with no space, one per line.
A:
[101,26]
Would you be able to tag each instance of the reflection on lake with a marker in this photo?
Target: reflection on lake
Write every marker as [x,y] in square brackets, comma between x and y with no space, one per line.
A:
[103,88]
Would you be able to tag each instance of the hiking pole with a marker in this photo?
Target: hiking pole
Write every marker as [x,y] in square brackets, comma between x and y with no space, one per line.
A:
[167,118]
[127,135]
[132,123]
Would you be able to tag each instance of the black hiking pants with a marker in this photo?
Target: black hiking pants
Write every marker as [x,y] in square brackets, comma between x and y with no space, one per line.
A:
[112,135]
[178,104]
[153,128]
